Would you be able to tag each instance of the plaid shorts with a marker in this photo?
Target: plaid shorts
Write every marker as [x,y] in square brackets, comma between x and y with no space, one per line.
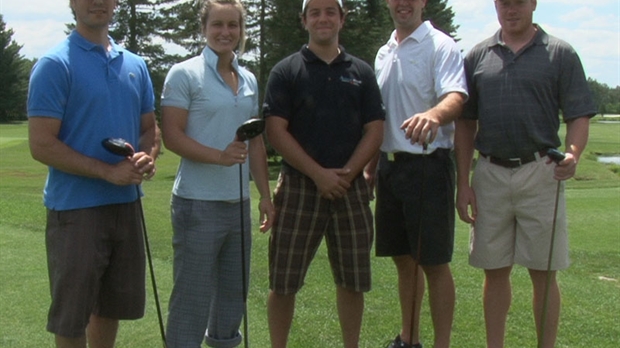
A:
[303,218]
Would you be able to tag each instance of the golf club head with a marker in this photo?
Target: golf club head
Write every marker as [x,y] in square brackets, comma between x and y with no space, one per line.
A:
[118,146]
[555,155]
[250,128]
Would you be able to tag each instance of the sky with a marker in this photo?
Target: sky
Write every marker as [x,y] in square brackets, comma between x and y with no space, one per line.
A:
[592,27]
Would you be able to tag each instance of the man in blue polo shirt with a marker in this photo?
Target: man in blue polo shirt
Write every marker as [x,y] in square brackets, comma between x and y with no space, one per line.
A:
[85,90]
[519,79]
[325,117]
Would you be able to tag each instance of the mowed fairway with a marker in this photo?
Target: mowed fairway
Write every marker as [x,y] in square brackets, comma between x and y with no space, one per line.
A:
[591,286]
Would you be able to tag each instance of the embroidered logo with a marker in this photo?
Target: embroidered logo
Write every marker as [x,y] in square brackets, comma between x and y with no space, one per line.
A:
[351,81]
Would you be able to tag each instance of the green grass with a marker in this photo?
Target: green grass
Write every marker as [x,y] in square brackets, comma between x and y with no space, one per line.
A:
[591,287]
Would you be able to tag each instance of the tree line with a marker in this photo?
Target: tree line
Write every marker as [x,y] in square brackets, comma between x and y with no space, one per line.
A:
[274,31]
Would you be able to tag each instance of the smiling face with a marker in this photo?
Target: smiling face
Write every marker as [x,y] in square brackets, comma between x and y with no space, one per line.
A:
[223,28]
[406,14]
[323,20]
[93,15]
[515,16]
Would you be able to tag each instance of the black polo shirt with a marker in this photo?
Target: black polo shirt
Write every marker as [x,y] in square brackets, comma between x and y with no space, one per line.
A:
[517,97]
[326,105]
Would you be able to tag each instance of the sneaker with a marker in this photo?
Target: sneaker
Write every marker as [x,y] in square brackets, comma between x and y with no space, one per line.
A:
[397,343]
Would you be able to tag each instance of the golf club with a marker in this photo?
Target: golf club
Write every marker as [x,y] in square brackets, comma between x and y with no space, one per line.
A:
[121,147]
[418,254]
[248,130]
[556,156]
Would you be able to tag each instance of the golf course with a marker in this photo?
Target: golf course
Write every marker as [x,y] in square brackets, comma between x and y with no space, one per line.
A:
[590,316]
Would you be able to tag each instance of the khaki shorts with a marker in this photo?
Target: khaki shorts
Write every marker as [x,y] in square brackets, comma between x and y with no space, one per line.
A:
[515,217]
[96,265]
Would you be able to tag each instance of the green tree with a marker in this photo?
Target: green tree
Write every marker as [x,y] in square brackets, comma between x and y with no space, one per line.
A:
[273,26]
[442,16]
[14,72]
[366,28]
[142,27]
[607,99]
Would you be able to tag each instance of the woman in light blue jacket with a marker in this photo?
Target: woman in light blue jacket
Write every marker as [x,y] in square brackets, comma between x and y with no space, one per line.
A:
[205,100]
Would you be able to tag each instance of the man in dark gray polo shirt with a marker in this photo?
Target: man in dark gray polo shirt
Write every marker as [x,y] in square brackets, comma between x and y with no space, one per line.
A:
[519,80]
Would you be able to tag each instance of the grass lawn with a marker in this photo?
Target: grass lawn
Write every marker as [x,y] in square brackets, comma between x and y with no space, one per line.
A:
[591,286]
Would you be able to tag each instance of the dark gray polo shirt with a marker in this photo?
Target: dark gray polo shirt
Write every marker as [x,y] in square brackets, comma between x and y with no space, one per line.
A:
[326,105]
[517,97]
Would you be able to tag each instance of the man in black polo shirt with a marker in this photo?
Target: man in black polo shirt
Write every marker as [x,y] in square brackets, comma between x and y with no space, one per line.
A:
[518,81]
[325,117]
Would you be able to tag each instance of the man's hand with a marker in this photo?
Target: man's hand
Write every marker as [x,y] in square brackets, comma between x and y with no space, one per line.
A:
[466,198]
[566,168]
[267,214]
[370,176]
[332,183]
[421,128]
[145,164]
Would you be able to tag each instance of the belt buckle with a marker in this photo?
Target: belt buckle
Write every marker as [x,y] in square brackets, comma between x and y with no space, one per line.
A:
[516,159]
[390,156]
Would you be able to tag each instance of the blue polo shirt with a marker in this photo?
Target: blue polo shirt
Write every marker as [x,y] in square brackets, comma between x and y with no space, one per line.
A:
[96,95]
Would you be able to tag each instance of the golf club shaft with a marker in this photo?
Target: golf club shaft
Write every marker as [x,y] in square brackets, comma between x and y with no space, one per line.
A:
[543,318]
[152,272]
[243,277]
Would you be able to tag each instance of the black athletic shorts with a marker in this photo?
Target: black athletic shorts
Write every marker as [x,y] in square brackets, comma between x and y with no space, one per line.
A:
[416,193]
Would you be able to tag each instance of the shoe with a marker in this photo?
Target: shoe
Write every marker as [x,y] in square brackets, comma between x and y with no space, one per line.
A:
[397,343]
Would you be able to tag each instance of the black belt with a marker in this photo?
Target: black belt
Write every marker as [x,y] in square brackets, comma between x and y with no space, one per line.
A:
[406,156]
[515,162]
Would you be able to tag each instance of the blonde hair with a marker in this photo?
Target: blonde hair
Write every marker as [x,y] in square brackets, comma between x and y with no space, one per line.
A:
[206,9]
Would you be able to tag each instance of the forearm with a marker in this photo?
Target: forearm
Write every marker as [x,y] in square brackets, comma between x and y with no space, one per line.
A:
[449,108]
[259,167]
[371,167]
[46,148]
[577,131]
[150,136]
[464,136]
[174,121]
[287,146]
[367,148]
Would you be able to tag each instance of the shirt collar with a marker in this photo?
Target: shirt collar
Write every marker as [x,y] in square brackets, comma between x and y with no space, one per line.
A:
[418,34]
[211,58]
[540,38]
[310,57]
[77,39]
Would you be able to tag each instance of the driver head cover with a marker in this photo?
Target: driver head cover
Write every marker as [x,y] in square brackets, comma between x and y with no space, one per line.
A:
[305,3]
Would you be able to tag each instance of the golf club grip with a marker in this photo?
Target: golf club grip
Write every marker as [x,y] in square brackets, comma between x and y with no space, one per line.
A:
[556,155]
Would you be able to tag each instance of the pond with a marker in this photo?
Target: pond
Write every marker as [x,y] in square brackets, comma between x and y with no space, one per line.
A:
[609,159]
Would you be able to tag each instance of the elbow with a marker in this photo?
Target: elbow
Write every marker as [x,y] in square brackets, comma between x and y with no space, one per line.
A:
[37,150]
[169,142]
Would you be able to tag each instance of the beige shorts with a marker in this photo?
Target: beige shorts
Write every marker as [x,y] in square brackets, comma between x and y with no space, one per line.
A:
[515,217]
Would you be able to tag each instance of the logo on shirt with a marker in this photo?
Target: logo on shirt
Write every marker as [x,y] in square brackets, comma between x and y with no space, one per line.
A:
[351,81]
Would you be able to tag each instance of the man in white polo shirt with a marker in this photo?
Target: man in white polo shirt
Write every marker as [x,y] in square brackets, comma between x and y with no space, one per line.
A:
[420,73]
